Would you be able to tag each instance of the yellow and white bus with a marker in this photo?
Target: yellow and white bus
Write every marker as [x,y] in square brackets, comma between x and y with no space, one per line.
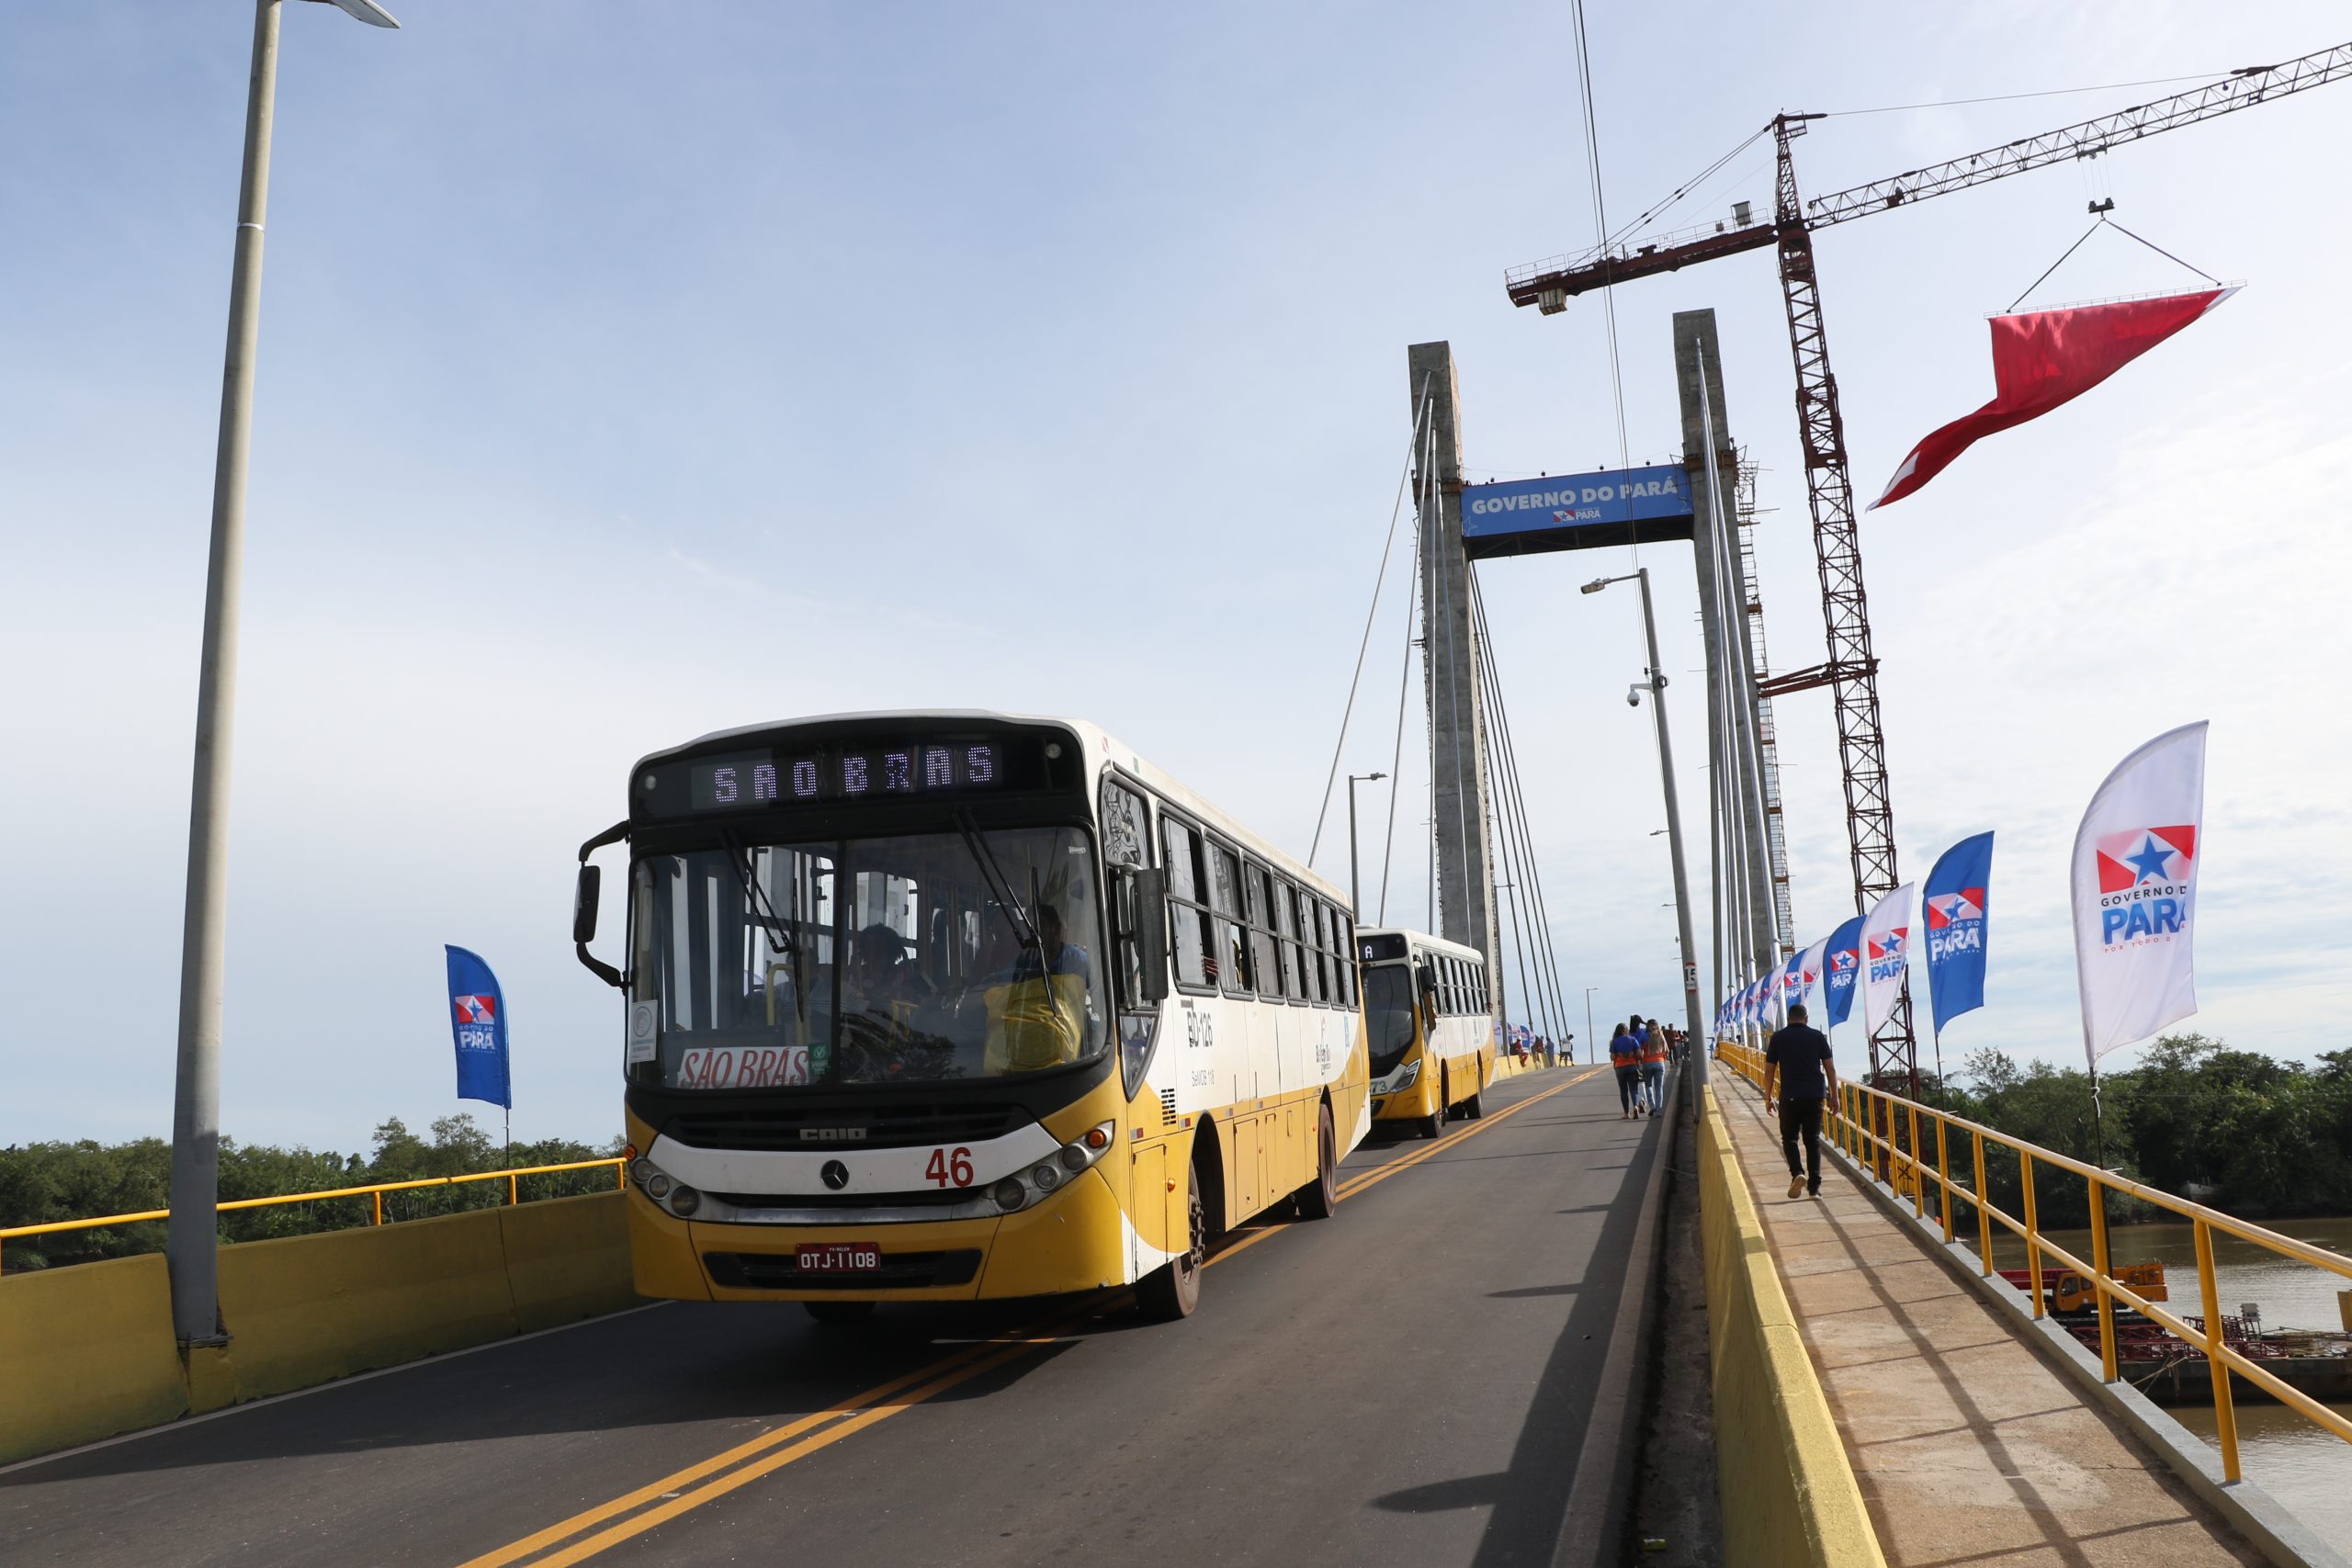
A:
[953,1005]
[1429,1027]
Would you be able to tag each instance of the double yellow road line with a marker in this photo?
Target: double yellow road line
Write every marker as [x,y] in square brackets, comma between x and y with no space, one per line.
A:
[595,1530]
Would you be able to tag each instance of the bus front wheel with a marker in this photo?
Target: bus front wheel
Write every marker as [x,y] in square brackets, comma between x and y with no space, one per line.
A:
[1434,1122]
[1171,1290]
[1319,1199]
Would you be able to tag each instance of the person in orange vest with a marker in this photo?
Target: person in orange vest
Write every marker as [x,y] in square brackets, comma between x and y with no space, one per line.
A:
[1625,1058]
[1654,1052]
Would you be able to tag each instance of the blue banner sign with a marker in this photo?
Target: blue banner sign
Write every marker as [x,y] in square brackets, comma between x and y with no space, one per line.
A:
[1844,965]
[1954,894]
[1577,511]
[479,1023]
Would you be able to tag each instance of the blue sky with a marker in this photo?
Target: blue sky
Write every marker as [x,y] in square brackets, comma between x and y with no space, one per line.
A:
[630,372]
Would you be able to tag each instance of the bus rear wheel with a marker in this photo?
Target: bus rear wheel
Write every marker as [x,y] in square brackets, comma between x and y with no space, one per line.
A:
[1319,1199]
[1170,1292]
[840,1312]
[1475,1107]
[1434,1122]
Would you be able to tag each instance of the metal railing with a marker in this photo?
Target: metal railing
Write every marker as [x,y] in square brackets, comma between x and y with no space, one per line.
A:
[513,1177]
[1862,1113]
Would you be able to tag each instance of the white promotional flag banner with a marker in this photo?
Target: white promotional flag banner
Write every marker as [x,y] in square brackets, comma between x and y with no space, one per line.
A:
[1886,955]
[1812,994]
[2136,856]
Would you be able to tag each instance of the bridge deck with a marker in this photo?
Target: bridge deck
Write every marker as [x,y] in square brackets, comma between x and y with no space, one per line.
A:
[1969,1446]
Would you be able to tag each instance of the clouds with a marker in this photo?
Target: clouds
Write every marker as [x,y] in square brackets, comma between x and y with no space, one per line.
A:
[624,379]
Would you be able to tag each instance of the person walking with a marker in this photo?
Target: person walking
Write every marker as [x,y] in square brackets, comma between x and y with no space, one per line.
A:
[1625,1056]
[1654,1052]
[1796,1061]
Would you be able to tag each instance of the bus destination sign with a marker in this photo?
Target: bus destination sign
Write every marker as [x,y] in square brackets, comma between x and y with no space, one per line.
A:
[783,777]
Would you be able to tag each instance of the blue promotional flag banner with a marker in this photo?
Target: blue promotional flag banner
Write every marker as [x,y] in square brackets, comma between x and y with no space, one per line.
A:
[1789,988]
[1954,894]
[1845,967]
[479,1023]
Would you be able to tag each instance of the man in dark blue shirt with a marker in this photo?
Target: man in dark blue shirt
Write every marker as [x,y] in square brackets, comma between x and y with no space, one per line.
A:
[1797,1062]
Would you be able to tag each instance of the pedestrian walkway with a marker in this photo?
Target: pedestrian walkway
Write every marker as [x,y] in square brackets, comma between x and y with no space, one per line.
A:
[1969,1447]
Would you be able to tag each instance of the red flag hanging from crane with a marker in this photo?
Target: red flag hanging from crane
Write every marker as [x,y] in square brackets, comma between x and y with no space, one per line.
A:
[2043,358]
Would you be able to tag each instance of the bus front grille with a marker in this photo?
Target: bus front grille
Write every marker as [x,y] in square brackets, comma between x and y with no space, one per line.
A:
[812,1128]
[900,1272]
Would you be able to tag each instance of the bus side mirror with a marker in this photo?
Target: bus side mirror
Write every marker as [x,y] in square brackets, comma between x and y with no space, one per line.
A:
[1148,923]
[584,905]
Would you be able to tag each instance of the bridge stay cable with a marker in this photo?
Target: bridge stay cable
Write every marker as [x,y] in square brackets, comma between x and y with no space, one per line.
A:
[1380,581]
[1503,762]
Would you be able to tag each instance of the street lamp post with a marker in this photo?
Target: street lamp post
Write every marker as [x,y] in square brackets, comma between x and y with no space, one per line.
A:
[1355,877]
[191,1240]
[1591,1043]
[1656,685]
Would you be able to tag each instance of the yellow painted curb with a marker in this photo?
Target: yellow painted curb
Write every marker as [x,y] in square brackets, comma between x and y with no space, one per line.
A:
[1788,1492]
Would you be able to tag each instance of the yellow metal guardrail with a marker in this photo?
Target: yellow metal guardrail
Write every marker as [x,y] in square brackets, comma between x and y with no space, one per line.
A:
[1863,1113]
[513,1177]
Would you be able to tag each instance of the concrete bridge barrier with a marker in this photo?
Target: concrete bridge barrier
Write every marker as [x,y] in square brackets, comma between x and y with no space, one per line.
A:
[87,1351]
[1787,1493]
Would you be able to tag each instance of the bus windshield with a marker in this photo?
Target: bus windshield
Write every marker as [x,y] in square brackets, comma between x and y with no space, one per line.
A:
[910,959]
[1387,1015]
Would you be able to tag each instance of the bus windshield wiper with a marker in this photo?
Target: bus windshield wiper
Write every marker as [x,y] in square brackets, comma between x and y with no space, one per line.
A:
[755,898]
[1021,930]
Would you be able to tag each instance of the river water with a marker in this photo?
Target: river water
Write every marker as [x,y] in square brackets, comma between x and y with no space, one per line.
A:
[2308,1470]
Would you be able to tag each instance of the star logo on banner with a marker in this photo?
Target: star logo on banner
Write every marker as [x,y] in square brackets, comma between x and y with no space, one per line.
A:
[1945,909]
[2138,855]
[475,1009]
[2151,860]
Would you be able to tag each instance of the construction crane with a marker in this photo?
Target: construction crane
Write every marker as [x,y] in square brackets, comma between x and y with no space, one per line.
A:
[1851,669]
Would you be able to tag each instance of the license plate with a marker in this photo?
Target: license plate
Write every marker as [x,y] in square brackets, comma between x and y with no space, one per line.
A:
[840,1257]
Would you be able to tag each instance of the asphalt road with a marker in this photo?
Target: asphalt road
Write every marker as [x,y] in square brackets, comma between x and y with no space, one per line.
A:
[1406,1383]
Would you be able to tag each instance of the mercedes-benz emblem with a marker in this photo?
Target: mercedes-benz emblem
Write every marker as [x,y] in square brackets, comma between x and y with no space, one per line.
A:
[835,1175]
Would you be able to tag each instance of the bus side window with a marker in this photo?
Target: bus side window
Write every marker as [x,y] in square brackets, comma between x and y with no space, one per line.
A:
[1265,963]
[1296,983]
[1344,931]
[1225,898]
[1191,929]
[1321,939]
[1127,841]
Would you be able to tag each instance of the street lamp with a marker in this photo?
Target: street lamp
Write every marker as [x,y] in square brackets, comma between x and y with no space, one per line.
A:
[1656,685]
[1355,881]
[1590,1045]
[191,1242]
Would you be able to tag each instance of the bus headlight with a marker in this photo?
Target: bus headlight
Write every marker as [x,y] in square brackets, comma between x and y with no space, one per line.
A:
[1016,1193]
[657,1186]
[684,1200]
[1408,1077]
[640,1170]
